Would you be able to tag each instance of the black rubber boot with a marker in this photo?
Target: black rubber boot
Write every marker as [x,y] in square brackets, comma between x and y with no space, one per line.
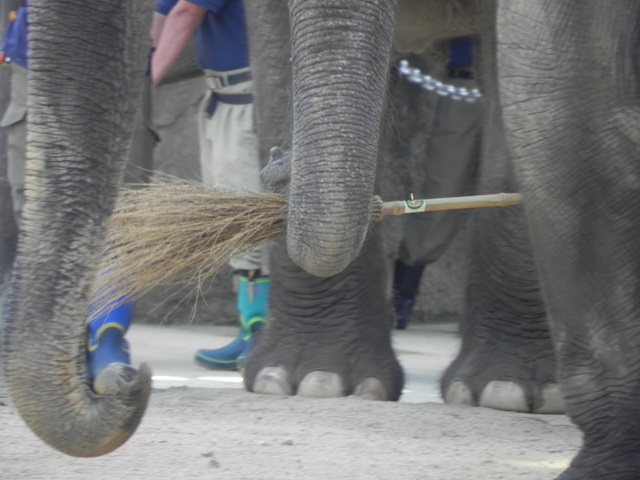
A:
[406,282]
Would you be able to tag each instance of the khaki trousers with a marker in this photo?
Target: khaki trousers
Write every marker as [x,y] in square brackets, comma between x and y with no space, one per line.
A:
[229,154]
[14,121]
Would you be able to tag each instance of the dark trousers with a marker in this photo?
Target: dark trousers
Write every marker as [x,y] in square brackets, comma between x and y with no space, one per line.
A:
[451,165]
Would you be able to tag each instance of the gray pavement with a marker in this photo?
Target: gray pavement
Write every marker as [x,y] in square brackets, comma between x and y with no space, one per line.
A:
[424,352]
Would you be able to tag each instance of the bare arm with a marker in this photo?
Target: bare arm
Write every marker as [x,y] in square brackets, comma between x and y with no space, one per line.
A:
[176,32]
[156,27]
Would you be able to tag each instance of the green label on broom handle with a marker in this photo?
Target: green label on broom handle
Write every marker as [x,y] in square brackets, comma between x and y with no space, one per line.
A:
[414,206]
[401,207]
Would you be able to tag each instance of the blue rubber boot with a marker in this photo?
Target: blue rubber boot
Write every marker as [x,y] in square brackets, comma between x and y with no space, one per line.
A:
[253,303]
[106,343]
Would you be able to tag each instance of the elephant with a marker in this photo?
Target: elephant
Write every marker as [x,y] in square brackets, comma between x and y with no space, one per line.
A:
[507,360]
[560,81]
[549,323]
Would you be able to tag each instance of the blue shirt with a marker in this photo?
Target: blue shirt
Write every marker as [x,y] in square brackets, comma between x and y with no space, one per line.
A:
[15,40]
[461,52]
[221,39]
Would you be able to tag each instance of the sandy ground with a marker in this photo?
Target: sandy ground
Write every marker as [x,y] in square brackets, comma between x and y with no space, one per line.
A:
[223,432]
[232,434]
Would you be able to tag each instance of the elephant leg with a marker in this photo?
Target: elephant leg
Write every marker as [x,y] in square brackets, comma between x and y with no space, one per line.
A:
[270,48]
[571,109]
[327,337]
[506,360]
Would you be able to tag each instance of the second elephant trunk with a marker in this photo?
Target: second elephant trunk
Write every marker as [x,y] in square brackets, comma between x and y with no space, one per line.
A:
[340,55]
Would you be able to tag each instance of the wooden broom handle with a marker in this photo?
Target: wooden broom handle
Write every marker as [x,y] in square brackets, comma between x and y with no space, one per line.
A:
[402,207]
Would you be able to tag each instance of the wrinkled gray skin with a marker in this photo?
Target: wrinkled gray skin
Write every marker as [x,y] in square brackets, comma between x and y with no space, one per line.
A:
[87,64]
[329,334]
[520,375]
[561,85]
[561,78]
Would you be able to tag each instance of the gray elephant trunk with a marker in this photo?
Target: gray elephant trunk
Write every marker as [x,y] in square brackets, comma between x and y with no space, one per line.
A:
[86,71]
[340,55]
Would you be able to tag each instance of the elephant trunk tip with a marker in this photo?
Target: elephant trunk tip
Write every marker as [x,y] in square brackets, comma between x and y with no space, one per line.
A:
[120,378]
[321,259]
[316,268]
[93,422]
[324,238]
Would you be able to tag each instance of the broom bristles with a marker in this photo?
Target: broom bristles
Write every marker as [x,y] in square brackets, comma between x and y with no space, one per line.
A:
[166,234]
[180,232]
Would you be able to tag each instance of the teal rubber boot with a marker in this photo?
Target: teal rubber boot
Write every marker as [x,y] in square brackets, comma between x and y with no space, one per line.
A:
[253,304]
[106,342]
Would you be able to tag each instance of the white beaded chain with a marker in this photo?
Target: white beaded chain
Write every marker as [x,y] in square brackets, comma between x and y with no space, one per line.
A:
[415,75]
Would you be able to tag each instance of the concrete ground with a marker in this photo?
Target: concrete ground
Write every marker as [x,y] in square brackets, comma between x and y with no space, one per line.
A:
[226,433]
[424,352]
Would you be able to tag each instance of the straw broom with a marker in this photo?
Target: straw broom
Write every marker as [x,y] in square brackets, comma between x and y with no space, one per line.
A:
[184,232]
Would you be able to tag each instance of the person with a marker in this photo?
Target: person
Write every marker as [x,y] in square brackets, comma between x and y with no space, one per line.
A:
[14,57]
[106,330]
[228,144]
[452,157]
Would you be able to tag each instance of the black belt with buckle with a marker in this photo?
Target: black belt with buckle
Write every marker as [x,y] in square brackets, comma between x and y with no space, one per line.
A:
[461,72]
[229,80]
[230,98]
[238,78]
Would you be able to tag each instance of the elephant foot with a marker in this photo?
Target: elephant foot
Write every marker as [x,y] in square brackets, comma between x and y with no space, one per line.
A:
[327,336]
[368,379]
[363,367]
[317,384]
[611,463]
[502,384]
[579,474]
[505,395]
